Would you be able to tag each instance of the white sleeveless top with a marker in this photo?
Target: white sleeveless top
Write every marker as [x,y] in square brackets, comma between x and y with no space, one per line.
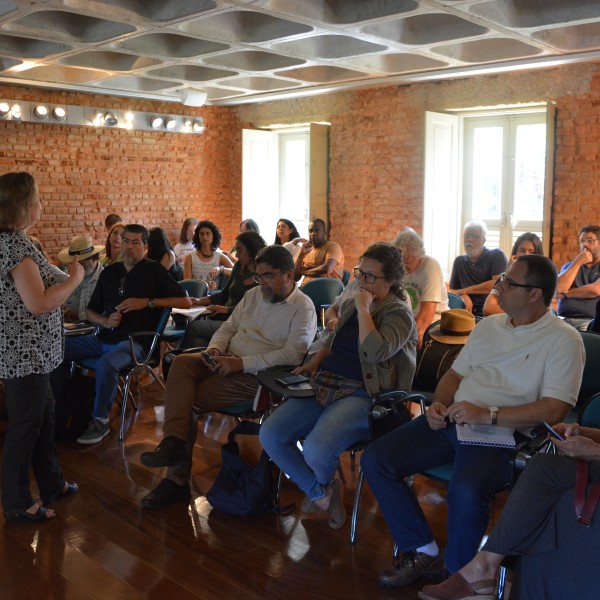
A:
[201,270]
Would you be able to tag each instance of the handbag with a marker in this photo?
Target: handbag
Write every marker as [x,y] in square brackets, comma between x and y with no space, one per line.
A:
[242,488]
[435,358]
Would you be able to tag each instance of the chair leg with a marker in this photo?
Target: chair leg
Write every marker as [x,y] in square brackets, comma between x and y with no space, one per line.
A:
[124,407]
[356,506]
[500,589]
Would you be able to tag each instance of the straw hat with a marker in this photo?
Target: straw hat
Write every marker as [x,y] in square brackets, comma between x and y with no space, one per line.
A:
[454,327]
[80,246]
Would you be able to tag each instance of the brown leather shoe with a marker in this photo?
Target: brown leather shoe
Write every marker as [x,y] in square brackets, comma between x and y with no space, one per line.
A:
[171,452]
[413,566]
[458,588]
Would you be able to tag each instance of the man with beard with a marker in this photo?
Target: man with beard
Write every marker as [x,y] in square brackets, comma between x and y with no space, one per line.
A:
[88,255]
[273,324]
[475,272]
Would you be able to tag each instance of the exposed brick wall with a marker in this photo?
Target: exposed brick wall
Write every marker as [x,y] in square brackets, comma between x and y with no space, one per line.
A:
[377,148]
[154,178]
[376,157]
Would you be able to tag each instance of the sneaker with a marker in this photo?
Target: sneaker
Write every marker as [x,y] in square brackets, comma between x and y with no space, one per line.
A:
[96,431]
[413,566]
[307,506]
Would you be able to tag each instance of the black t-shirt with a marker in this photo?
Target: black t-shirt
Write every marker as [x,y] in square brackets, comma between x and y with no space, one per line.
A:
[147,279]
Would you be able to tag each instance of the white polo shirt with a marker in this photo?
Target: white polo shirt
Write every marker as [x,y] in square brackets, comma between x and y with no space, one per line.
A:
[504,365]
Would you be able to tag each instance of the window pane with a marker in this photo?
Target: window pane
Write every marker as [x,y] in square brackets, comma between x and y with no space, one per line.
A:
[293,190]
[487,173]
[530,164]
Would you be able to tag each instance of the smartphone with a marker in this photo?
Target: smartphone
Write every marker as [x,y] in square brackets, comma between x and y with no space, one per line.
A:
[291,380]
[553,432]
[208,358]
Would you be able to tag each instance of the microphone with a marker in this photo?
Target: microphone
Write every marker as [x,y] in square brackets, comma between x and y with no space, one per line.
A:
[380,412]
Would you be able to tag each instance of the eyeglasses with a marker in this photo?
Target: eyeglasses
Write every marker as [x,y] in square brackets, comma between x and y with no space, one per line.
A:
[587,240]
[121,290]
[511,283]
[369,277]
[266,276]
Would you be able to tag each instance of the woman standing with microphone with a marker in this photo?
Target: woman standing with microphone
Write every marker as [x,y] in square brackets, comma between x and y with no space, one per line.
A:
[31,346]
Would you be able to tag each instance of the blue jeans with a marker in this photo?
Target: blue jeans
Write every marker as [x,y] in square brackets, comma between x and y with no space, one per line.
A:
[112,358]
[327,432]
[412,448]
[29,442]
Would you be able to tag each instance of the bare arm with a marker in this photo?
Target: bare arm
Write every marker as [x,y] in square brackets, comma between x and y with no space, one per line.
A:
[187,267]
[492,305]
[425,318]
[38,299]
[480,288]
[590,290]
[322,270]
[567,277]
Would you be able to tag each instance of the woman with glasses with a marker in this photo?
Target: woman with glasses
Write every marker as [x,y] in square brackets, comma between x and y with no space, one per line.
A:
[526,243]
[221,305]
[373,349]
[31,346]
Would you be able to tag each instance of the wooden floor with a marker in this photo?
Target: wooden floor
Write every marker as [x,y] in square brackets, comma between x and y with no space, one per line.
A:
[103,545]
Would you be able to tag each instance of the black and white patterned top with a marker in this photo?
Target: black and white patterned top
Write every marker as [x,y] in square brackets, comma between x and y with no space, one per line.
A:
[29,344]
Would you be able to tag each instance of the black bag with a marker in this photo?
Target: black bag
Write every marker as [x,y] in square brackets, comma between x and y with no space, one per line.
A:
[387,412]
[73,410]
[240,488]
[434,359]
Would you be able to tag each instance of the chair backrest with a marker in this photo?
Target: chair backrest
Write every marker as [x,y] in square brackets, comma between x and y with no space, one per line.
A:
[590,382]
[196,288]
[589,415]
[455,301]
[346,277]
[322,291]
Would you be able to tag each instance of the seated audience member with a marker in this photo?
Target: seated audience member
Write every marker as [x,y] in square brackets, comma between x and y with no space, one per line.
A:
[59,274]
[127,298]
[88,255]
[207,262]
[530,525]
[423,282]
[526,243]
[579,281]
[287,235]
[113,245]
[111,220]
[221,305]
[185,244]
[372,350]
[516,370]
[245,225]
[160,250]
[319,257]
[475,272]
[273,324]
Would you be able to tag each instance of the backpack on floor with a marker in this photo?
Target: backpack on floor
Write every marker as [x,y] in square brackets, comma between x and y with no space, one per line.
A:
[73,410]
[243,486]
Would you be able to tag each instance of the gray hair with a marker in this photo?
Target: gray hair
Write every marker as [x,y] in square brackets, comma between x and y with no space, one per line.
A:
[409,242]
[476,224]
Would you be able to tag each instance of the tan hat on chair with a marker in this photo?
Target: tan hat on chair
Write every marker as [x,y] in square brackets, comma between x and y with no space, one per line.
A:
[455,326]
[80,246]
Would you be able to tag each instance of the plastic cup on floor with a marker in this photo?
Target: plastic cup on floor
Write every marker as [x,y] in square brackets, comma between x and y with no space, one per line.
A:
[159,413]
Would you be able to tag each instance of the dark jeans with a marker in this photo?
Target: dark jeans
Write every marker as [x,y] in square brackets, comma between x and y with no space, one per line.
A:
[29,442]
[412,448]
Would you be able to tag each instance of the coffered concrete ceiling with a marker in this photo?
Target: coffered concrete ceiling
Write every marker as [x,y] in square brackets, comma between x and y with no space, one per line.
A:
[241,51]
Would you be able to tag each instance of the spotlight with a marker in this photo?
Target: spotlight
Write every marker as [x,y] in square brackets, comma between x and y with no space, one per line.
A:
[198,127]
[40,111]
[156,122]
[110,119]
[16,111]
[170,123]
[4,109]
[58,113]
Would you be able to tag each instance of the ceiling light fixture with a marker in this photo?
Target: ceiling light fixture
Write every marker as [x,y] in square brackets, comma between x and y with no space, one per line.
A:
[16,111]
[170,123]
[198,126]
[4,109]
[156,122]
[110,119]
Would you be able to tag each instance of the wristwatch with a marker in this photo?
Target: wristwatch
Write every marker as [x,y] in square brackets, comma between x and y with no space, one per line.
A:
[151,303]
[494,415]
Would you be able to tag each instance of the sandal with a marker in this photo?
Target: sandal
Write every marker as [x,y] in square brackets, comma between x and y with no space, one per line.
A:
[68,489]
[41,514]
[458,588]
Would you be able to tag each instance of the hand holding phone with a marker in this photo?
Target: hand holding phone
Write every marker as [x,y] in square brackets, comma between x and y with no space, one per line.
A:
[553,432]
[291,380]
[209,359]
